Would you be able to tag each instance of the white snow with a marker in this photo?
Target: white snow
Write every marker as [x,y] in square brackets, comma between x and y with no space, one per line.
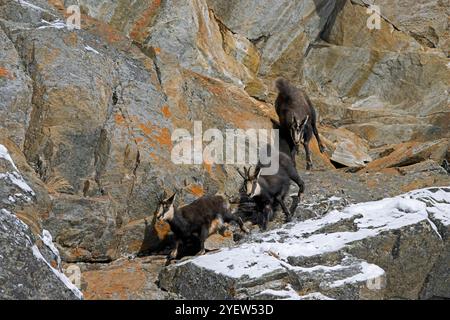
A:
[30,5]
[271,250]
[57,24]
[4,154]
[14,177]
[334,198]
[368,272]
[60,275]
[88,48]
[48,241]
[315,296]
[288,294]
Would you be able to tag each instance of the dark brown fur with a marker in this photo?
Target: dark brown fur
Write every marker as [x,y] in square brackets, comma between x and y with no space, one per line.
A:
[200,218]
[273,188]
[293,105]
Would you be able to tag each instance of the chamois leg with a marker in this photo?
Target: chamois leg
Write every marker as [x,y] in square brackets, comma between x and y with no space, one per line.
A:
[174,253]
[229,217]
[203,236]
[285,209]
[316,134]
[266,215]
[294,152]
[293,175]
[315,131]
[308,156]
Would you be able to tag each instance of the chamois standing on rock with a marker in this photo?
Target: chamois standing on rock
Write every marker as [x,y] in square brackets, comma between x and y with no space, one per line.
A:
[297,118]
[200,218]
[270,190]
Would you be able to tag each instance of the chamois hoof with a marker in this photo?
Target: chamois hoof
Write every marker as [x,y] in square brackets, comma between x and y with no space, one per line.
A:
[288,219]
[309,166]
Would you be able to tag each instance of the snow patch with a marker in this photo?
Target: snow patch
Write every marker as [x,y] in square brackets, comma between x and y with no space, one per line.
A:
[88,48]
[315,296]
[368,272]
[26,4]
[48,241]
[271,250]
[4,154]
[57,24]
[288,294]
[58,274]
[14,177]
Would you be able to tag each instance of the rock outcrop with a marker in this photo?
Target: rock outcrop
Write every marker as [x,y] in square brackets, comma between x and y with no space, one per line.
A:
[87,115]
[375,250]
[30,265]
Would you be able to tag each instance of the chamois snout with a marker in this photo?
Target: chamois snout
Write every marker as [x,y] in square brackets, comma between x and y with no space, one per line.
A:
[251,184]
[297,130]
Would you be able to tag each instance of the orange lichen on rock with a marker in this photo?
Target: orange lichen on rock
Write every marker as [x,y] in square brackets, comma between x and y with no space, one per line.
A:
[115,283]
[105,31]
[4,73]
[196,190]
[164,138]
[166,111]
[71,39]
[140,29]
[119,119]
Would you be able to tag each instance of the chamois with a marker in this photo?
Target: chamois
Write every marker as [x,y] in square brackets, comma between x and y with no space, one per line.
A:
[297,118]
[269,190]
[200,218]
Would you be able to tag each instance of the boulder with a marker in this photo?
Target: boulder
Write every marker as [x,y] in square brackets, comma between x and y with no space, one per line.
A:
[123,280]
[30,265]
[411,153]
[16,91]
[360,252]
[348,149]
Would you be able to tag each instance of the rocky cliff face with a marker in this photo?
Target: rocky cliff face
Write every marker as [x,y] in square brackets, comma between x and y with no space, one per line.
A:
[87,116]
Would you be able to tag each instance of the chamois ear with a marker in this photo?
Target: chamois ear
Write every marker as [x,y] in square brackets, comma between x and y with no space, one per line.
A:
[171,199]
[305,121]
[257,172]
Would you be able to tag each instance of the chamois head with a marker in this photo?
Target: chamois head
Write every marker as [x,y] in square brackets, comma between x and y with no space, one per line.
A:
[166,208]
[297,129]
[251,185]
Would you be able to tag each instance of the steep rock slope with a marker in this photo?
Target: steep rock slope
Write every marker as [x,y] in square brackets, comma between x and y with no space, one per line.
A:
[88,114]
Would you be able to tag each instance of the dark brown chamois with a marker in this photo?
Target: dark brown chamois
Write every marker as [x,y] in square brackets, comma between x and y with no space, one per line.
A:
[297,118]
[200,218]
[269,190]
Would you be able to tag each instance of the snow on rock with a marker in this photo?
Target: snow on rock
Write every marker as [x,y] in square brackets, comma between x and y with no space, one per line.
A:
[321,242]
[57,24]
[31,6]
[287,294]
[61,276]
[89,48]
[14,177]
[18,244]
